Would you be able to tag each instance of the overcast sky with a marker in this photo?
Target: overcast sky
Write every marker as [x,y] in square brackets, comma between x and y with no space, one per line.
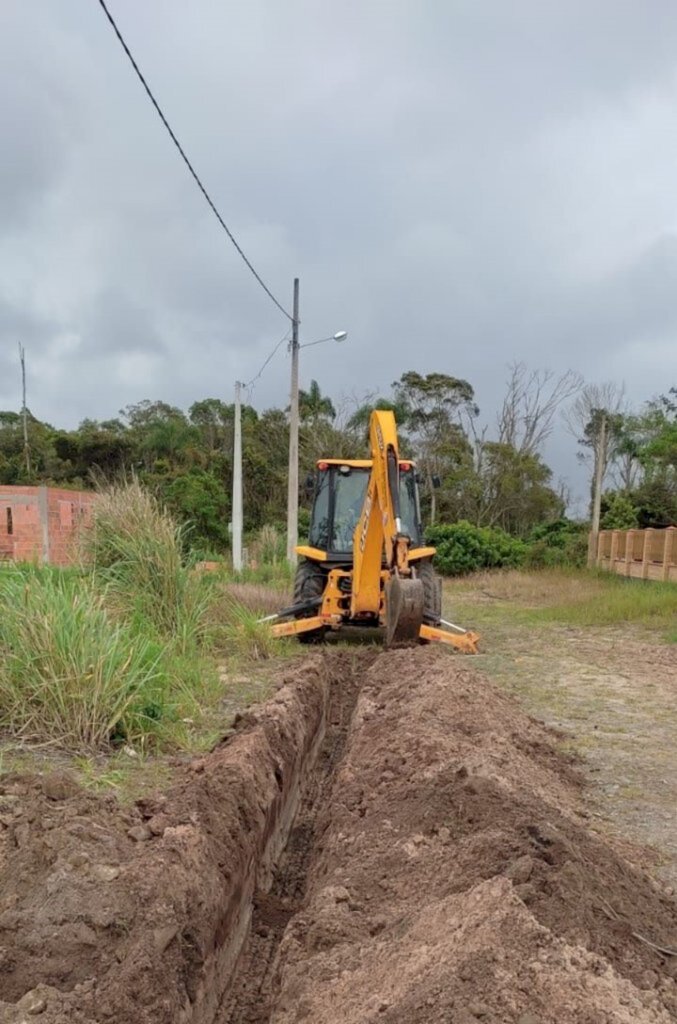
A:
[457,184]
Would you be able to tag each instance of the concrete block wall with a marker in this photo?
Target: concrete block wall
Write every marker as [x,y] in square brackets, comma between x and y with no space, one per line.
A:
[40,524]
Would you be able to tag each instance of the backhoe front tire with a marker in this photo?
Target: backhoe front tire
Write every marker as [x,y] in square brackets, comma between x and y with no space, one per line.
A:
[432,592]
[309,583]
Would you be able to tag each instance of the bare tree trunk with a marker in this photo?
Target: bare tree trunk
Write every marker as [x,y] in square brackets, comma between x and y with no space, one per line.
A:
[600,466]
[530,404]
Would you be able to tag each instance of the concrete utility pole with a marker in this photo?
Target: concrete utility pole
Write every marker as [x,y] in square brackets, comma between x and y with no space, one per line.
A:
[293,483]
[24,410]
[236,514]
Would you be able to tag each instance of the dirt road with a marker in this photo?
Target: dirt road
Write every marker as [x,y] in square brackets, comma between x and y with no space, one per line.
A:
[389,839]
[612,689]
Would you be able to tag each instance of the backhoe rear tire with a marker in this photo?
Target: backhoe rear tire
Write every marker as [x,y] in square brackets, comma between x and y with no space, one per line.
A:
[432,592]
[309,583]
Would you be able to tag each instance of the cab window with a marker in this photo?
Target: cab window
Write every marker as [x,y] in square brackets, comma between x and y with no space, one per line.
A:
[350,487]
[409,511]
[319,525]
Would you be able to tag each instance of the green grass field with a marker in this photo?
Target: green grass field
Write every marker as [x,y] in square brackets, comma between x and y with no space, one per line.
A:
[566,596]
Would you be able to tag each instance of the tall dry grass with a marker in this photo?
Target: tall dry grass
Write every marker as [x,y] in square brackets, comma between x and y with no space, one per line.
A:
[257,597]
[269,547]
[135,548]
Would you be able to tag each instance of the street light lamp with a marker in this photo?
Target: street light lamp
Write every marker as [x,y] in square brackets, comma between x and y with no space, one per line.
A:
[339,336]
[293,479]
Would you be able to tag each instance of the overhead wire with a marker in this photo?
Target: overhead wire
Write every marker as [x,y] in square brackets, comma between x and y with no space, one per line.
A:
[250,383]
[189,165]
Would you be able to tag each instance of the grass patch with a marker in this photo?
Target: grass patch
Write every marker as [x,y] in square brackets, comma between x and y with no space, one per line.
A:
[243,635]
[68,674]
[573,597]
[617,601]
[279,575]
[129,777]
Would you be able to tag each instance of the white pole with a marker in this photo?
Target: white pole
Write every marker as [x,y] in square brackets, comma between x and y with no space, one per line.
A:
[293,492]
[237,484]
[24,410]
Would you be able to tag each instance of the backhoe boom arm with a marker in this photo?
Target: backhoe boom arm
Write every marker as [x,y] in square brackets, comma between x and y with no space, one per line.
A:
[379,526]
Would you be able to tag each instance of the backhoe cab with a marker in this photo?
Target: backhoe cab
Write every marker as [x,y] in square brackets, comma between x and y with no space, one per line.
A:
[366,563]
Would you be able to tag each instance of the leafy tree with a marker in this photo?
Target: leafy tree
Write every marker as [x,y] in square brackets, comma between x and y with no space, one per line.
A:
[515,491]
[141,415]
[94,447]
[656,502]
[492,479]
[655,496]
[215,420]
[314,406]
[199,499]
[435,403]
[359,421]
[661,450]
[45,464]
[265,455]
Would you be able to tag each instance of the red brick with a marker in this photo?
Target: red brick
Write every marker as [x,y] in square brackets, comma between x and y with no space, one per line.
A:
[66,511]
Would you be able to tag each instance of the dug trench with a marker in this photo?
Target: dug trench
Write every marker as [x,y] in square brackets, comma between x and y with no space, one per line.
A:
[389,839]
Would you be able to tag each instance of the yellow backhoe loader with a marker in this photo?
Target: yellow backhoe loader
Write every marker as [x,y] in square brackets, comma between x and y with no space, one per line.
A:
[366,563]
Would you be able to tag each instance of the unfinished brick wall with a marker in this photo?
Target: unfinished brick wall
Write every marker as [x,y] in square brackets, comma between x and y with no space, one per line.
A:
[40,524]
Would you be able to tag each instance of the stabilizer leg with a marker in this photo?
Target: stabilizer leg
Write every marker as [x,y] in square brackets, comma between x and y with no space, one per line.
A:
[465,642]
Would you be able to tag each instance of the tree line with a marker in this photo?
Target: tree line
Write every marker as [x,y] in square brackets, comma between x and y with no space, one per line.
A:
[491,475]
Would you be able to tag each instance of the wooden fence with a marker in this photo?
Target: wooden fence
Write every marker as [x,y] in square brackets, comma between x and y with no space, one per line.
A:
[642,554]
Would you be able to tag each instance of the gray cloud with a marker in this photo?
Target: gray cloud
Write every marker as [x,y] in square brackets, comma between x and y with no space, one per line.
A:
[458,184]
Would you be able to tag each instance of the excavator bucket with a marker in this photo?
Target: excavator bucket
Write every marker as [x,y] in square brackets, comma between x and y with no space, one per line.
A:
[404,600]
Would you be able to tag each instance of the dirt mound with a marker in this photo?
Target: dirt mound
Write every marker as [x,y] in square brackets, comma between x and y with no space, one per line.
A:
[139,915]
[415,852]
[456,877]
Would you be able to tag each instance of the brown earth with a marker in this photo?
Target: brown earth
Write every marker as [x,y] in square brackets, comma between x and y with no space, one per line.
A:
[413,847]
[456,878]
[136,916]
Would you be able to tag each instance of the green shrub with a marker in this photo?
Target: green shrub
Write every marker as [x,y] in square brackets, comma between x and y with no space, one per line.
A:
[556,533]
[561,542]
[619,513]
[198,499]
[464,548]
[69,674]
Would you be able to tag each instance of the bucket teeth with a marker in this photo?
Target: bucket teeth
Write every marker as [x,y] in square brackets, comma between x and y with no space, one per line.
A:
[404,599]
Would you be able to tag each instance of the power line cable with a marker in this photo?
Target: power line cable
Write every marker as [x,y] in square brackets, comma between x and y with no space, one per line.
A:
[188,163]
[251,382]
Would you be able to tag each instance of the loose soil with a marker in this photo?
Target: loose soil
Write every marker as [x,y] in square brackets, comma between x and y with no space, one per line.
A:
[389,839]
